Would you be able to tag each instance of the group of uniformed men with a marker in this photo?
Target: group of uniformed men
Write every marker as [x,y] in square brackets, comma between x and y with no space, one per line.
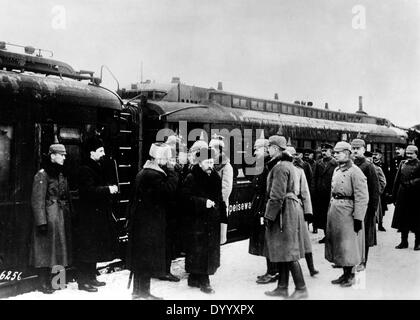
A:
[187,194]
[346,192]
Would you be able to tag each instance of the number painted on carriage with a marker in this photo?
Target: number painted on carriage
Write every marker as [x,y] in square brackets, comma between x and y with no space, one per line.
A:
[9,275]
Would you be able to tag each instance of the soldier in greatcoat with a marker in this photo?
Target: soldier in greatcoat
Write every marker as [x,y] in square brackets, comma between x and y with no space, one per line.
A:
[321,186]
[344,244]
[395,162]
[284,220]
[406,194]
[302,191]
[377,159]
[257,230]
[205,210]
[368,169]
[381,188]
[94,230]
[155,186]
[51,206]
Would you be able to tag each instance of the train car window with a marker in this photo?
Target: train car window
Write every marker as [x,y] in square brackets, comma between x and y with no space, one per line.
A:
[276,107]
[243,103]
[289,109]
[307,144]
[227,100]
[6,136]
[269,106]
[70,133]
[236,102]
[261,105]
[254,105]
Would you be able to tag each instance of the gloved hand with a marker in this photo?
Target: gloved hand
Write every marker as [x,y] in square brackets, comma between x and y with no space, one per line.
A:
[42,229]
[357,225]
[308,217]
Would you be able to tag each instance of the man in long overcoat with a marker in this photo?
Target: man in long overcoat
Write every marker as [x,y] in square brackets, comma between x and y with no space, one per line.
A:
[95,235]
[302,191]
[395,162]
[406,193]
[284,219]
[321,187]
[344,243]
[206,210]
[377,159]
[51,206]
[257,230]
[358,150]
[155,186]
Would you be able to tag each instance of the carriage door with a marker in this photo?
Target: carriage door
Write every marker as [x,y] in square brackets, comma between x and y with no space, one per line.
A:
[6,192]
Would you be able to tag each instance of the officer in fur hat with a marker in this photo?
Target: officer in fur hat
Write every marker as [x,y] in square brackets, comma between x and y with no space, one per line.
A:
[206,211]
[51,236]
[155,186]
[96,238]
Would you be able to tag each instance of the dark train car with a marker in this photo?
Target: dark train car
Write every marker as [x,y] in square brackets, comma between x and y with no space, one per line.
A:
[35,111]
[186,110]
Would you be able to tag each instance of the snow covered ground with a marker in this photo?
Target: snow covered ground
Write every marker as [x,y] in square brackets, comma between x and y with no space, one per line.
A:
[391,274]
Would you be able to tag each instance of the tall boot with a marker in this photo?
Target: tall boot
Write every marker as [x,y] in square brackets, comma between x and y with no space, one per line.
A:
[193,280]
[144,289]
[44,276]
[341,278]
[300,288]
[349,277]
[283,282]
[404,240]
[417,241]
[310,262]
[205,284]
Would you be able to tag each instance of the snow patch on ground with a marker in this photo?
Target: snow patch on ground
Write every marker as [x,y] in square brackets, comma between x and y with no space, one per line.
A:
[390,274]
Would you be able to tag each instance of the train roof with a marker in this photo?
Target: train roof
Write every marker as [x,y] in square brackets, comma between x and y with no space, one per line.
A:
[42,88]
[216,113]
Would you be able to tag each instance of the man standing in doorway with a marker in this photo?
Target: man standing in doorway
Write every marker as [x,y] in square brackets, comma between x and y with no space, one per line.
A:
[95,236]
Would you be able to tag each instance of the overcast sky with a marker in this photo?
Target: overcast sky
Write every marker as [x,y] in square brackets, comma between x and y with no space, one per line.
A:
[316,51]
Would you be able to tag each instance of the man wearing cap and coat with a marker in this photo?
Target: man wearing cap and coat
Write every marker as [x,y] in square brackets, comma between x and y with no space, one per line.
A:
[302,191]
[377,159]
[321,187]
[205,211]
[257,227]
[95,236]
[358,150]
[344,245]
[51,206]
[155,186]
[405,194]
[284,219]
